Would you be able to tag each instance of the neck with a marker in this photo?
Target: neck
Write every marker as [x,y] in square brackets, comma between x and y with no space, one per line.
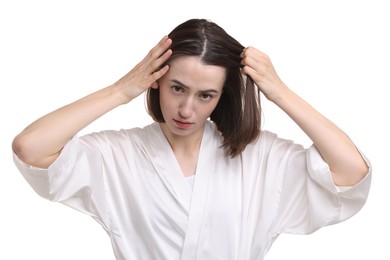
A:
[189,145]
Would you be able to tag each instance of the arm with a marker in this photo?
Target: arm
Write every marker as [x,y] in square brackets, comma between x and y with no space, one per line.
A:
[344,160]
[40,143]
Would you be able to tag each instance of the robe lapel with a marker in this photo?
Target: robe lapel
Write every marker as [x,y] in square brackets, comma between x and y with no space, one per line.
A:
[204,171]
[167,167]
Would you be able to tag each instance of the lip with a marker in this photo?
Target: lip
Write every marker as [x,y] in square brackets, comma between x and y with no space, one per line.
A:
[182,124]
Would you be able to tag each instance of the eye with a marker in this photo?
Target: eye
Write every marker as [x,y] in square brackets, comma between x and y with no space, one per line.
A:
[205,96]
[177,89]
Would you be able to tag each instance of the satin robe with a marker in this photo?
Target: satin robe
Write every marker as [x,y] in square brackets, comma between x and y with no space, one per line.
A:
[130,182]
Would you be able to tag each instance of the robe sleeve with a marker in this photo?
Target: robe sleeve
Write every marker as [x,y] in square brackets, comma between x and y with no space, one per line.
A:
[308,198]
[76,179]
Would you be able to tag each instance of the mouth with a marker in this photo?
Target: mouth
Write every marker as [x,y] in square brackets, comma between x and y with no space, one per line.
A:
[182,124]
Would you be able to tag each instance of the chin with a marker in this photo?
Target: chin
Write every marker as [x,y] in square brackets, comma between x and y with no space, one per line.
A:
[181,131]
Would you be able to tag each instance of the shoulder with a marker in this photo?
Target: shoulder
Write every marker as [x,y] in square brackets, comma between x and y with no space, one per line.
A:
[120,136]
[266,138]
[269,138]
[269,142]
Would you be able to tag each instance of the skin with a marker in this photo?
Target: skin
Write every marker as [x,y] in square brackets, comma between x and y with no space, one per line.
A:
[344,160]
[187,100]
[41,142]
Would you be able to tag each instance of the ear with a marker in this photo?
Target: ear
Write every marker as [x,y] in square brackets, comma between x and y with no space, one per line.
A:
[154,85]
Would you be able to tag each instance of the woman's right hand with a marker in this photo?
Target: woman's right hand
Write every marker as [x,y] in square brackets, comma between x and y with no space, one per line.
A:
[146,73]
[40,143]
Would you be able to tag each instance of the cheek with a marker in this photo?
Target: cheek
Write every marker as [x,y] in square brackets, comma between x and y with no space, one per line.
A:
[166,102]
[210,108]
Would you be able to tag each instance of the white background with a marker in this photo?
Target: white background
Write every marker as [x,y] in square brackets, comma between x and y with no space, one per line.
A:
[333,53]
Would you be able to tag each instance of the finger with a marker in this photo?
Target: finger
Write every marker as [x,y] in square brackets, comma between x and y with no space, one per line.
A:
[255,54]
[157,56]
[164,57]
[246,70]
[160,48]
[242,54]
[156,64]
[158,74]
[251,62]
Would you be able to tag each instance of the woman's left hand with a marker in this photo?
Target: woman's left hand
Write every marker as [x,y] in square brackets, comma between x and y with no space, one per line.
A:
[345,162]
[259,67]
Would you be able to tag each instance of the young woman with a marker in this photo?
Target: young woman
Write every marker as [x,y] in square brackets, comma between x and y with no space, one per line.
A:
[203,181]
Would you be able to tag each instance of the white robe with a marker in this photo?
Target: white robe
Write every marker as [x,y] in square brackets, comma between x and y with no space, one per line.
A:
[130,182]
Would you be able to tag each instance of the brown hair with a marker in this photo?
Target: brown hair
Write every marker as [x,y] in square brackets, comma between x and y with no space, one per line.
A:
[237,114]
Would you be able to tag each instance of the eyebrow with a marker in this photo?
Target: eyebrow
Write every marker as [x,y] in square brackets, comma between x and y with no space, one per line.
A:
[186,87]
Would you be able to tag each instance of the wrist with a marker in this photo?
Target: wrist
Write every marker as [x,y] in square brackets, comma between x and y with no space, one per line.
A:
[118,93]
[280,93]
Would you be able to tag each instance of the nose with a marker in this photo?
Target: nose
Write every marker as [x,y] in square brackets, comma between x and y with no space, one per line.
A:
[186,108]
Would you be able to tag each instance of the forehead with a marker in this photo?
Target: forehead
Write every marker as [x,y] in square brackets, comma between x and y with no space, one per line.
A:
[192,72]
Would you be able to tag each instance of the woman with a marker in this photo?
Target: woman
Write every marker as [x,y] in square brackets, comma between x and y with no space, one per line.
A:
[202,181]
